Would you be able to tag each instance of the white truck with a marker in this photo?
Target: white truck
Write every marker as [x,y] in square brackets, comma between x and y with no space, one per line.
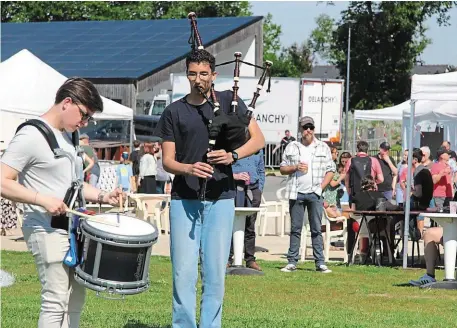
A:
[159,103]
[322,99]
[275,112]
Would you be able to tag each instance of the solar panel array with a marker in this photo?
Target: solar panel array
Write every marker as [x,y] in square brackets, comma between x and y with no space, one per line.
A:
[112,49]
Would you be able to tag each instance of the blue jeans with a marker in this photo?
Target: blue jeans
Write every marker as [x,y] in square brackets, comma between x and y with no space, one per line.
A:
[315,206]
[199,229]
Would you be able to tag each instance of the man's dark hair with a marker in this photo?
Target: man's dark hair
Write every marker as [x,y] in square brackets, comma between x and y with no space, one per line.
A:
[201,56]
[136,144]
[81,91]
[418,154]
[286,131]
[362,147]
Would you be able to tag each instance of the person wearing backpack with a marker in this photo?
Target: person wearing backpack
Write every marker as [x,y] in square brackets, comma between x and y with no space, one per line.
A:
[356,169]
[359,167]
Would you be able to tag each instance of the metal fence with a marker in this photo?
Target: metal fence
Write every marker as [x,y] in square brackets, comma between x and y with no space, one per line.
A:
[273,155]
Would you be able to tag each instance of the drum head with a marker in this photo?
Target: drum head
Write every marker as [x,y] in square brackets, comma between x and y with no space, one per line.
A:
[127,227]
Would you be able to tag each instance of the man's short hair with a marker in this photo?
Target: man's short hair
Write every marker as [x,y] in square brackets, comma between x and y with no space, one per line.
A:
[418,154]
[136,144]
[287,131]
[201,56]
[362,147]
[81,91]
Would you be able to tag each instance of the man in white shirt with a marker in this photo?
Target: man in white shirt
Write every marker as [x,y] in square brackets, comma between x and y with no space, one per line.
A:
[310,168]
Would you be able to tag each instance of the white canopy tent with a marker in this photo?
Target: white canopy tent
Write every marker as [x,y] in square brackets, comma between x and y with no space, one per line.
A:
[27,89]
[436,88]
[393,113]
[428,115]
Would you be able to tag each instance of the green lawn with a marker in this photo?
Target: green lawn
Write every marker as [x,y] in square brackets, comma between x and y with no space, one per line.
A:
[357,296]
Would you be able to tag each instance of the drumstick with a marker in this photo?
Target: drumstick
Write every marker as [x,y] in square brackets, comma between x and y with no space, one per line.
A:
[93,218]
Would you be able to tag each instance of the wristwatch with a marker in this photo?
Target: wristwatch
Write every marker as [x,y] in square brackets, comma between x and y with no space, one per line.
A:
[234,156]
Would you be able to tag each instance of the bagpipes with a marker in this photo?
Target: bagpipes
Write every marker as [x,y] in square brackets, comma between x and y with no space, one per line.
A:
[230,129]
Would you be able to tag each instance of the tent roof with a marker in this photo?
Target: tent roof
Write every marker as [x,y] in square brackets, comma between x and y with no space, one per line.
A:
[433,111]
[28,86]
[394,113]
[439,87]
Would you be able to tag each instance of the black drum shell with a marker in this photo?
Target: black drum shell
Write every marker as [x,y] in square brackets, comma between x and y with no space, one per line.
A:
[123,263]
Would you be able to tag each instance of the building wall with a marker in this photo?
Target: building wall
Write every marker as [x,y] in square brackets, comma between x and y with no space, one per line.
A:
[124,94]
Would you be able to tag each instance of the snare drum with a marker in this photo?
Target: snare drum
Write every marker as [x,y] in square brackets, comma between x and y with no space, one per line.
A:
[116,259]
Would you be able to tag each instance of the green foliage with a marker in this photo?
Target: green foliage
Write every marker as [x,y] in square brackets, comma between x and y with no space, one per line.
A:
[387,39]
[44,11]
[292,61]
[321,39]
[271,38]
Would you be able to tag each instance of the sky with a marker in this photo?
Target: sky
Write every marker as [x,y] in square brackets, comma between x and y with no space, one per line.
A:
[297,20]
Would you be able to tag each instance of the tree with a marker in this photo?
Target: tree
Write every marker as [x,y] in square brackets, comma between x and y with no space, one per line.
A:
[321,39]
[271,38]
[292,61]
[387,38]
[44,11]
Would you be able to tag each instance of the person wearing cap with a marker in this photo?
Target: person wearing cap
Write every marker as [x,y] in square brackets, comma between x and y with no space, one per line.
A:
[124,173]
[310,168]
[442,178]
[389,171]
[94,172]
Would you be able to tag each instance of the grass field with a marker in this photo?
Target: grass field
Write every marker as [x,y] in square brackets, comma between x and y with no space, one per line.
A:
[357,296]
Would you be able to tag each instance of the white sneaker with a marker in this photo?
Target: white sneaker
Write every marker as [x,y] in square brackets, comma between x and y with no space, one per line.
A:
[289,268]
[323,268]
[425,279]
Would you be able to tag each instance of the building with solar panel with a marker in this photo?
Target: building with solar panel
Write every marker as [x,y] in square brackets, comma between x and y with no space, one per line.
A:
[132,62]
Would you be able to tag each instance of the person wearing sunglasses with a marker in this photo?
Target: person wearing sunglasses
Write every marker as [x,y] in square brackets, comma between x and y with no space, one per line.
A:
[30,174]
[310,168]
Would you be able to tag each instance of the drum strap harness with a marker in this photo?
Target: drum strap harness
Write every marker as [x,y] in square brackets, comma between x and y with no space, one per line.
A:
[74,193]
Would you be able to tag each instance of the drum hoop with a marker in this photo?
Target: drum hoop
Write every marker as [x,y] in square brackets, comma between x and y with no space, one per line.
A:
[110,283]
[97,288]
[120,239]
[119,243]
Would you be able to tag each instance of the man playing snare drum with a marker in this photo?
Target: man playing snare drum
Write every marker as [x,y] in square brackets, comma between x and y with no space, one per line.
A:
[43,182]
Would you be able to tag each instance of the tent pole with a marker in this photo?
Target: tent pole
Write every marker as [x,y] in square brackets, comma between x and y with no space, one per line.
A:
[408,186]
[354,135]
[132,132]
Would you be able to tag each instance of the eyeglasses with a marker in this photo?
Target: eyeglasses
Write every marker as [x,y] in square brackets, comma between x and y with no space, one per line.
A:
[84,116]
[204,76]
[308,126]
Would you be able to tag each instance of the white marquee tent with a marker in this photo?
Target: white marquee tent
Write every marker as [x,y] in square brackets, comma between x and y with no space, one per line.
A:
[436,88]
[389,113]
[27,89]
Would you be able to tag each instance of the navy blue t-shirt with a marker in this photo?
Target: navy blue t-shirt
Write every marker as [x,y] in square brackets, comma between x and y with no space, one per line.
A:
[183,124]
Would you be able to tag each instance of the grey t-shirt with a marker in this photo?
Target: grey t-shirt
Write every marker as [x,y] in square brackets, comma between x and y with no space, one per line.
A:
[30,155]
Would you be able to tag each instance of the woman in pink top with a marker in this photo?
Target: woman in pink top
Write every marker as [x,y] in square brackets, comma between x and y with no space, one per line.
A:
[442,178]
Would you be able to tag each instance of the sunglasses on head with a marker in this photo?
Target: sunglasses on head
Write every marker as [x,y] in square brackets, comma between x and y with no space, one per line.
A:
[308,126]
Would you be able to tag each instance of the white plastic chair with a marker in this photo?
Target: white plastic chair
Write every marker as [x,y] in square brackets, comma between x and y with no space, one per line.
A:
[327,235]
[272,210]
[149,205]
